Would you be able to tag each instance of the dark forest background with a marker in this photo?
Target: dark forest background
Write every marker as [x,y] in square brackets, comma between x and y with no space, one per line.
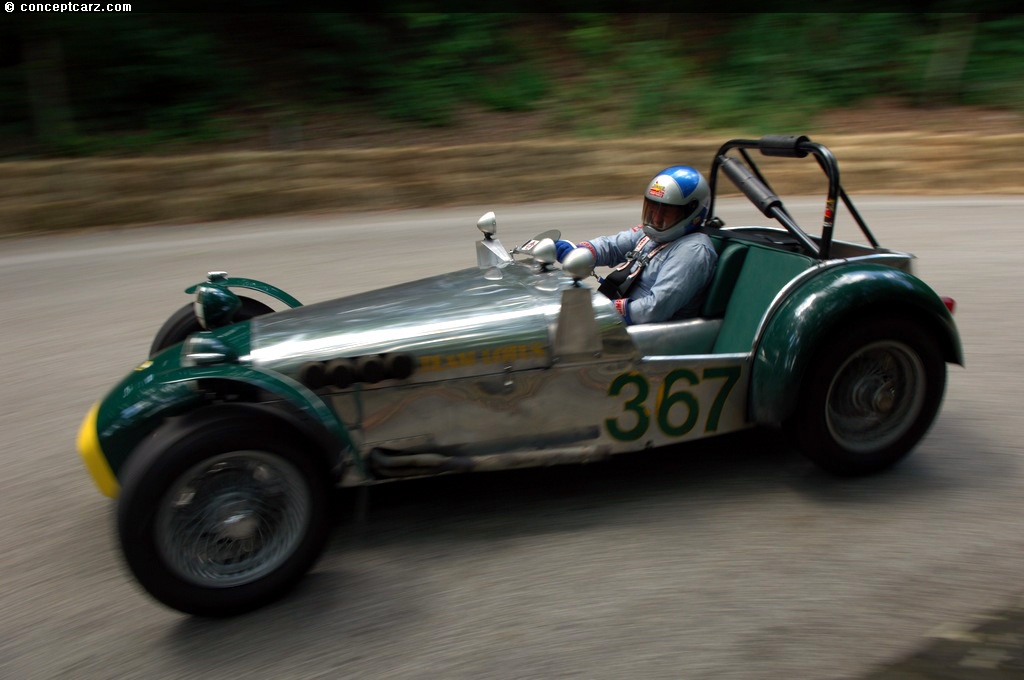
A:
[141,83]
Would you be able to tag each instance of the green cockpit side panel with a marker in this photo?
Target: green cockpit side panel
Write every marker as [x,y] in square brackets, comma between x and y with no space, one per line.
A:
[730,263]
[764,273]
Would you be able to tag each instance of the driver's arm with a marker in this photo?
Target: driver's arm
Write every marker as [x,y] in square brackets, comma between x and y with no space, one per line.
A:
[611,250]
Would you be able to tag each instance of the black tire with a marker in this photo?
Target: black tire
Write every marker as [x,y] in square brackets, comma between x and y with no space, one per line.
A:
[870,395]
[184,323]
[224,515]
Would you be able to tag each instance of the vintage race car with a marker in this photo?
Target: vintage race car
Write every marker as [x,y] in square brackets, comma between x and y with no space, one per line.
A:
[224,446]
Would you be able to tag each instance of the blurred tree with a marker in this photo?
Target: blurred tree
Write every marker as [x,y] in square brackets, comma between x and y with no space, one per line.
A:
[951,49]
[991,74]
[37,47]
[117,82]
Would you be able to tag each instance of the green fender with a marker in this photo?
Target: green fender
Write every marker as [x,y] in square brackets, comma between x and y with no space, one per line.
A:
[253,284]
[145,399]
[816,308]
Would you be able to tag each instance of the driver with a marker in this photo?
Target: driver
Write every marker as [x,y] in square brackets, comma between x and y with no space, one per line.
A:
[662,267]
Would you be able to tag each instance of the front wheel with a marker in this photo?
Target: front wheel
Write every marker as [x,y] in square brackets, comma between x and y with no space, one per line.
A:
[223,516]
[870,396]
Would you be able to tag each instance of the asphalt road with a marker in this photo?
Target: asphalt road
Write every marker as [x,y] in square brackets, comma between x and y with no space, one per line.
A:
[733,558]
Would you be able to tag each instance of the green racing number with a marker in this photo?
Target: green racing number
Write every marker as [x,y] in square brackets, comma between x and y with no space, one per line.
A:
[666,401]
[670,404]
[636,405]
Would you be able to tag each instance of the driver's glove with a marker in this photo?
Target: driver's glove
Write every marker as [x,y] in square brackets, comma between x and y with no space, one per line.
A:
[562,249]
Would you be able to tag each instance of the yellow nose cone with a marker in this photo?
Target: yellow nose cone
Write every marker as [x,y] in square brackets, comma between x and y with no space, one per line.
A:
[92,455]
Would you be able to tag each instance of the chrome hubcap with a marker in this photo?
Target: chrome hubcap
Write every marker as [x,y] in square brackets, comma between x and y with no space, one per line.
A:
[233,519]
[875,397]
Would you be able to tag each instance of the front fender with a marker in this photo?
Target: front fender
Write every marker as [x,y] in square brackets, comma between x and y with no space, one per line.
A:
[818,308]
[144,400]
[253,284]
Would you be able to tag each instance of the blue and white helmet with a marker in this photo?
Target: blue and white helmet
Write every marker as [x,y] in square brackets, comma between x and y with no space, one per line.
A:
[676,203]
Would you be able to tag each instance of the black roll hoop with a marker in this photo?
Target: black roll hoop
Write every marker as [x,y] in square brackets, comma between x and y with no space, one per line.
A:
[785,146]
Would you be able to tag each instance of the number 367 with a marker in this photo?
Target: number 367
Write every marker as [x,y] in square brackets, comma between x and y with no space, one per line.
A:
[673,393]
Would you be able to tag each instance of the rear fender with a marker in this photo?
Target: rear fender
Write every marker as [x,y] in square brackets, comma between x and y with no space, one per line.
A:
[820,307]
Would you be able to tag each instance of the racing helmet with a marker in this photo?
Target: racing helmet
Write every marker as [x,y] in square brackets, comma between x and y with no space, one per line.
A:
[676,203]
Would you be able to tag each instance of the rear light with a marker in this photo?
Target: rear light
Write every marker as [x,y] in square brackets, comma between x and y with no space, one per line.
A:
[950,303]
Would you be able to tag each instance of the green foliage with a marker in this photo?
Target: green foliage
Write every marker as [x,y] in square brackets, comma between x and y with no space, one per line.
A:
[518,87]
[992,73]
[127,83]
[813,61]
[592,36]
[661,81]
[436,64]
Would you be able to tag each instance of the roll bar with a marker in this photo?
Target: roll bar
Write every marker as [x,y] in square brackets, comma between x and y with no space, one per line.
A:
[747,177]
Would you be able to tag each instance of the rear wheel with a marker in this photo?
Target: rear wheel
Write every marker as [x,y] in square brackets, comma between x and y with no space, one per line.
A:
[224,516]
[184,323]
[870,395]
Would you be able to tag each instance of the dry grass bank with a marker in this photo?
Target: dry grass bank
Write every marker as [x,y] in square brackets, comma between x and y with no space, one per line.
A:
[49,195]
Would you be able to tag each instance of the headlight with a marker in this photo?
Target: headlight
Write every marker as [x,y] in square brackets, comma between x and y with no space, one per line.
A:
[215,305]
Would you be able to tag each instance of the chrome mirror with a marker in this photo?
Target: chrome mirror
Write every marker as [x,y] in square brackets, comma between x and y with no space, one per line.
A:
[544,252]
[579,263]
[488,224]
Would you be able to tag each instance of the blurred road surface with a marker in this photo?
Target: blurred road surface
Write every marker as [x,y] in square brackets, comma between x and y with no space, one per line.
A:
[733,558]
